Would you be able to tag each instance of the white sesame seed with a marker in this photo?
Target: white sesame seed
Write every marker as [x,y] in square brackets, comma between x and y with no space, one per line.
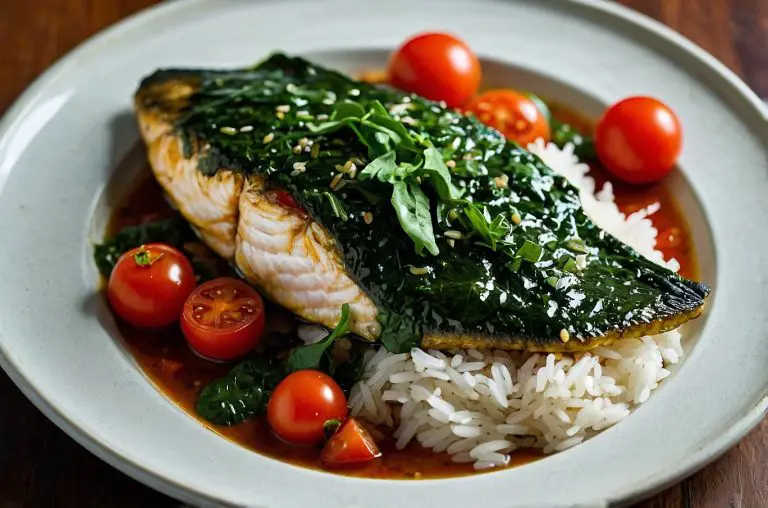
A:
[451,242]
[322,117]
[352,172]
[298,149]
[340,185]
[228,130]
[303,142]
[280,115]
[339,168]
[328,101]
[354,92]
[451,164]
[419,270]
[269,137]
[407,120]
[283,108]
[335,181]
[302,113]
[299,165]
[368,217]
[501,181]
[564,335]
[295,172]
[347,166]
[456,235]
[246,128]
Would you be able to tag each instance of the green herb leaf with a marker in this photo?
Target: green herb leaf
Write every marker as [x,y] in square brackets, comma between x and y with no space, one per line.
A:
[583,146]
[336,206]
[529,251]
[383,168]
[439,176]
[347,109]
[241,394]
[412,209]
[577,245]
[311,356]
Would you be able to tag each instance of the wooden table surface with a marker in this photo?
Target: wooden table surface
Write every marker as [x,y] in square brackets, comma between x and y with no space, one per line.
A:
[41,466]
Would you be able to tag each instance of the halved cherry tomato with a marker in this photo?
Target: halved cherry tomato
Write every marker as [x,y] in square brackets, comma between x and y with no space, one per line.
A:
[149,285]
[511,113]
[302,403]
[286,199]
[437,66]
[351,444]
[223,319]
[639,139]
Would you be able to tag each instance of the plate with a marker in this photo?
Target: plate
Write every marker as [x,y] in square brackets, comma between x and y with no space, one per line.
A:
[69,146]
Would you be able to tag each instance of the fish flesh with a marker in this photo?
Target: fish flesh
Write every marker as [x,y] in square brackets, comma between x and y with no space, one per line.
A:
[321,190]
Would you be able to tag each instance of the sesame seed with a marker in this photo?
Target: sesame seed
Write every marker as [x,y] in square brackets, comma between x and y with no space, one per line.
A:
[407,120]
[228,130]
[339,168]
[418,179]
[322,117]
[299,165]
[451,242]
[303,142]
[246,128]
[340,185]
[347,166]
[335,181]
[280,115]
[298,149]
[269,137]
[451,164]
[368,217]
[564,335]
[352,171]
[283,108]
[295,172]
[501,181]
[358,161]
[328,101]
[456,235]
[290,88]
[516,219]
[419,270]
[302,113]
[315,151]
[453,214]
[354,92]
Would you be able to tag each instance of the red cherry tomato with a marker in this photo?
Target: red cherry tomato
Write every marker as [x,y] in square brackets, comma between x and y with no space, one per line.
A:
[437,66]
[351,444]
[286,199]
[149,285]
[511,113]
[302,403]
[638,140]
[223,319]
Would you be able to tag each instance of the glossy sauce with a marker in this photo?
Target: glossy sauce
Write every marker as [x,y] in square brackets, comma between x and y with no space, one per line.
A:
[180,374]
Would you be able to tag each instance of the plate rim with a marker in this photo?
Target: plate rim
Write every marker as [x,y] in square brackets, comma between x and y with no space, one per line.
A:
[16,113]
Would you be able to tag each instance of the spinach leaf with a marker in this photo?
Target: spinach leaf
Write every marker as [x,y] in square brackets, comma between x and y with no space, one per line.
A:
[412,209]
[439,175]
[583,146]
[312,355]
[243,393]
[174,231]
[383,168]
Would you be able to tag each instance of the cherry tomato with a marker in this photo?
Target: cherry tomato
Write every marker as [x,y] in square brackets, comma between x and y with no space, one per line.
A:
[511,113]
[437,66]
[286,199]
[223,319]
[302,403]
[149,285]
[351,444]
[638,139]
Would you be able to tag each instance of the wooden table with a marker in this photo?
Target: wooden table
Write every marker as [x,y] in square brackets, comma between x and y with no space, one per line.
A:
[41,466]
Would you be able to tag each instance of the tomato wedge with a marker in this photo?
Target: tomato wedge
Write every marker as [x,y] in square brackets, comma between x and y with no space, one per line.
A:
[511,113]
[223,319]
[351,444]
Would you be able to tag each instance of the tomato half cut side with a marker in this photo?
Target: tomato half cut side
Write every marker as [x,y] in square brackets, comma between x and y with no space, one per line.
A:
[511,113]
[223,319]
[351,444]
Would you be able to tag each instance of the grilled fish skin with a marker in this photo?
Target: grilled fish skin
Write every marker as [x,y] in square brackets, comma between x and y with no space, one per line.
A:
[295,258]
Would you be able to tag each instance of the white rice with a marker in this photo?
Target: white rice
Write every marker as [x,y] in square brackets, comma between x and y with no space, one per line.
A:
[479,406]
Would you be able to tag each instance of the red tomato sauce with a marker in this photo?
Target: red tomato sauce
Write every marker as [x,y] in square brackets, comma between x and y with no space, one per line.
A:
[179,374]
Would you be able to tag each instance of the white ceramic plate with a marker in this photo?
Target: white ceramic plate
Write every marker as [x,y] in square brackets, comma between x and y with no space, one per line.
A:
[72,132]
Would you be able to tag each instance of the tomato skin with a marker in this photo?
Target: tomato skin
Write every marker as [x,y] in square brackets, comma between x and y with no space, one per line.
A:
[149,291]
[351,444]
[286,199]
[639,139]
[513,114]
[223,326]
[302,403]
[437,66]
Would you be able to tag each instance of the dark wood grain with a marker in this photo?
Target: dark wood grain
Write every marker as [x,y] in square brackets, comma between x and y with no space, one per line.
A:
[41,466]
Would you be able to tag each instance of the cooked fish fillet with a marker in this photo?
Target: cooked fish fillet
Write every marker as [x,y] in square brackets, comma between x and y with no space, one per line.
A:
[297,262]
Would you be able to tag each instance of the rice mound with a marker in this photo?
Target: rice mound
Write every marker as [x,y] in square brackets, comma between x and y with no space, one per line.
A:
[478,406]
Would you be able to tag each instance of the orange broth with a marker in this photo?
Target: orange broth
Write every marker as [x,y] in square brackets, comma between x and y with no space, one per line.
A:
[180,374]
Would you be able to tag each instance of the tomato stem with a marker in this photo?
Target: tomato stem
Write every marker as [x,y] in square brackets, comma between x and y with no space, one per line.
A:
[144,258]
